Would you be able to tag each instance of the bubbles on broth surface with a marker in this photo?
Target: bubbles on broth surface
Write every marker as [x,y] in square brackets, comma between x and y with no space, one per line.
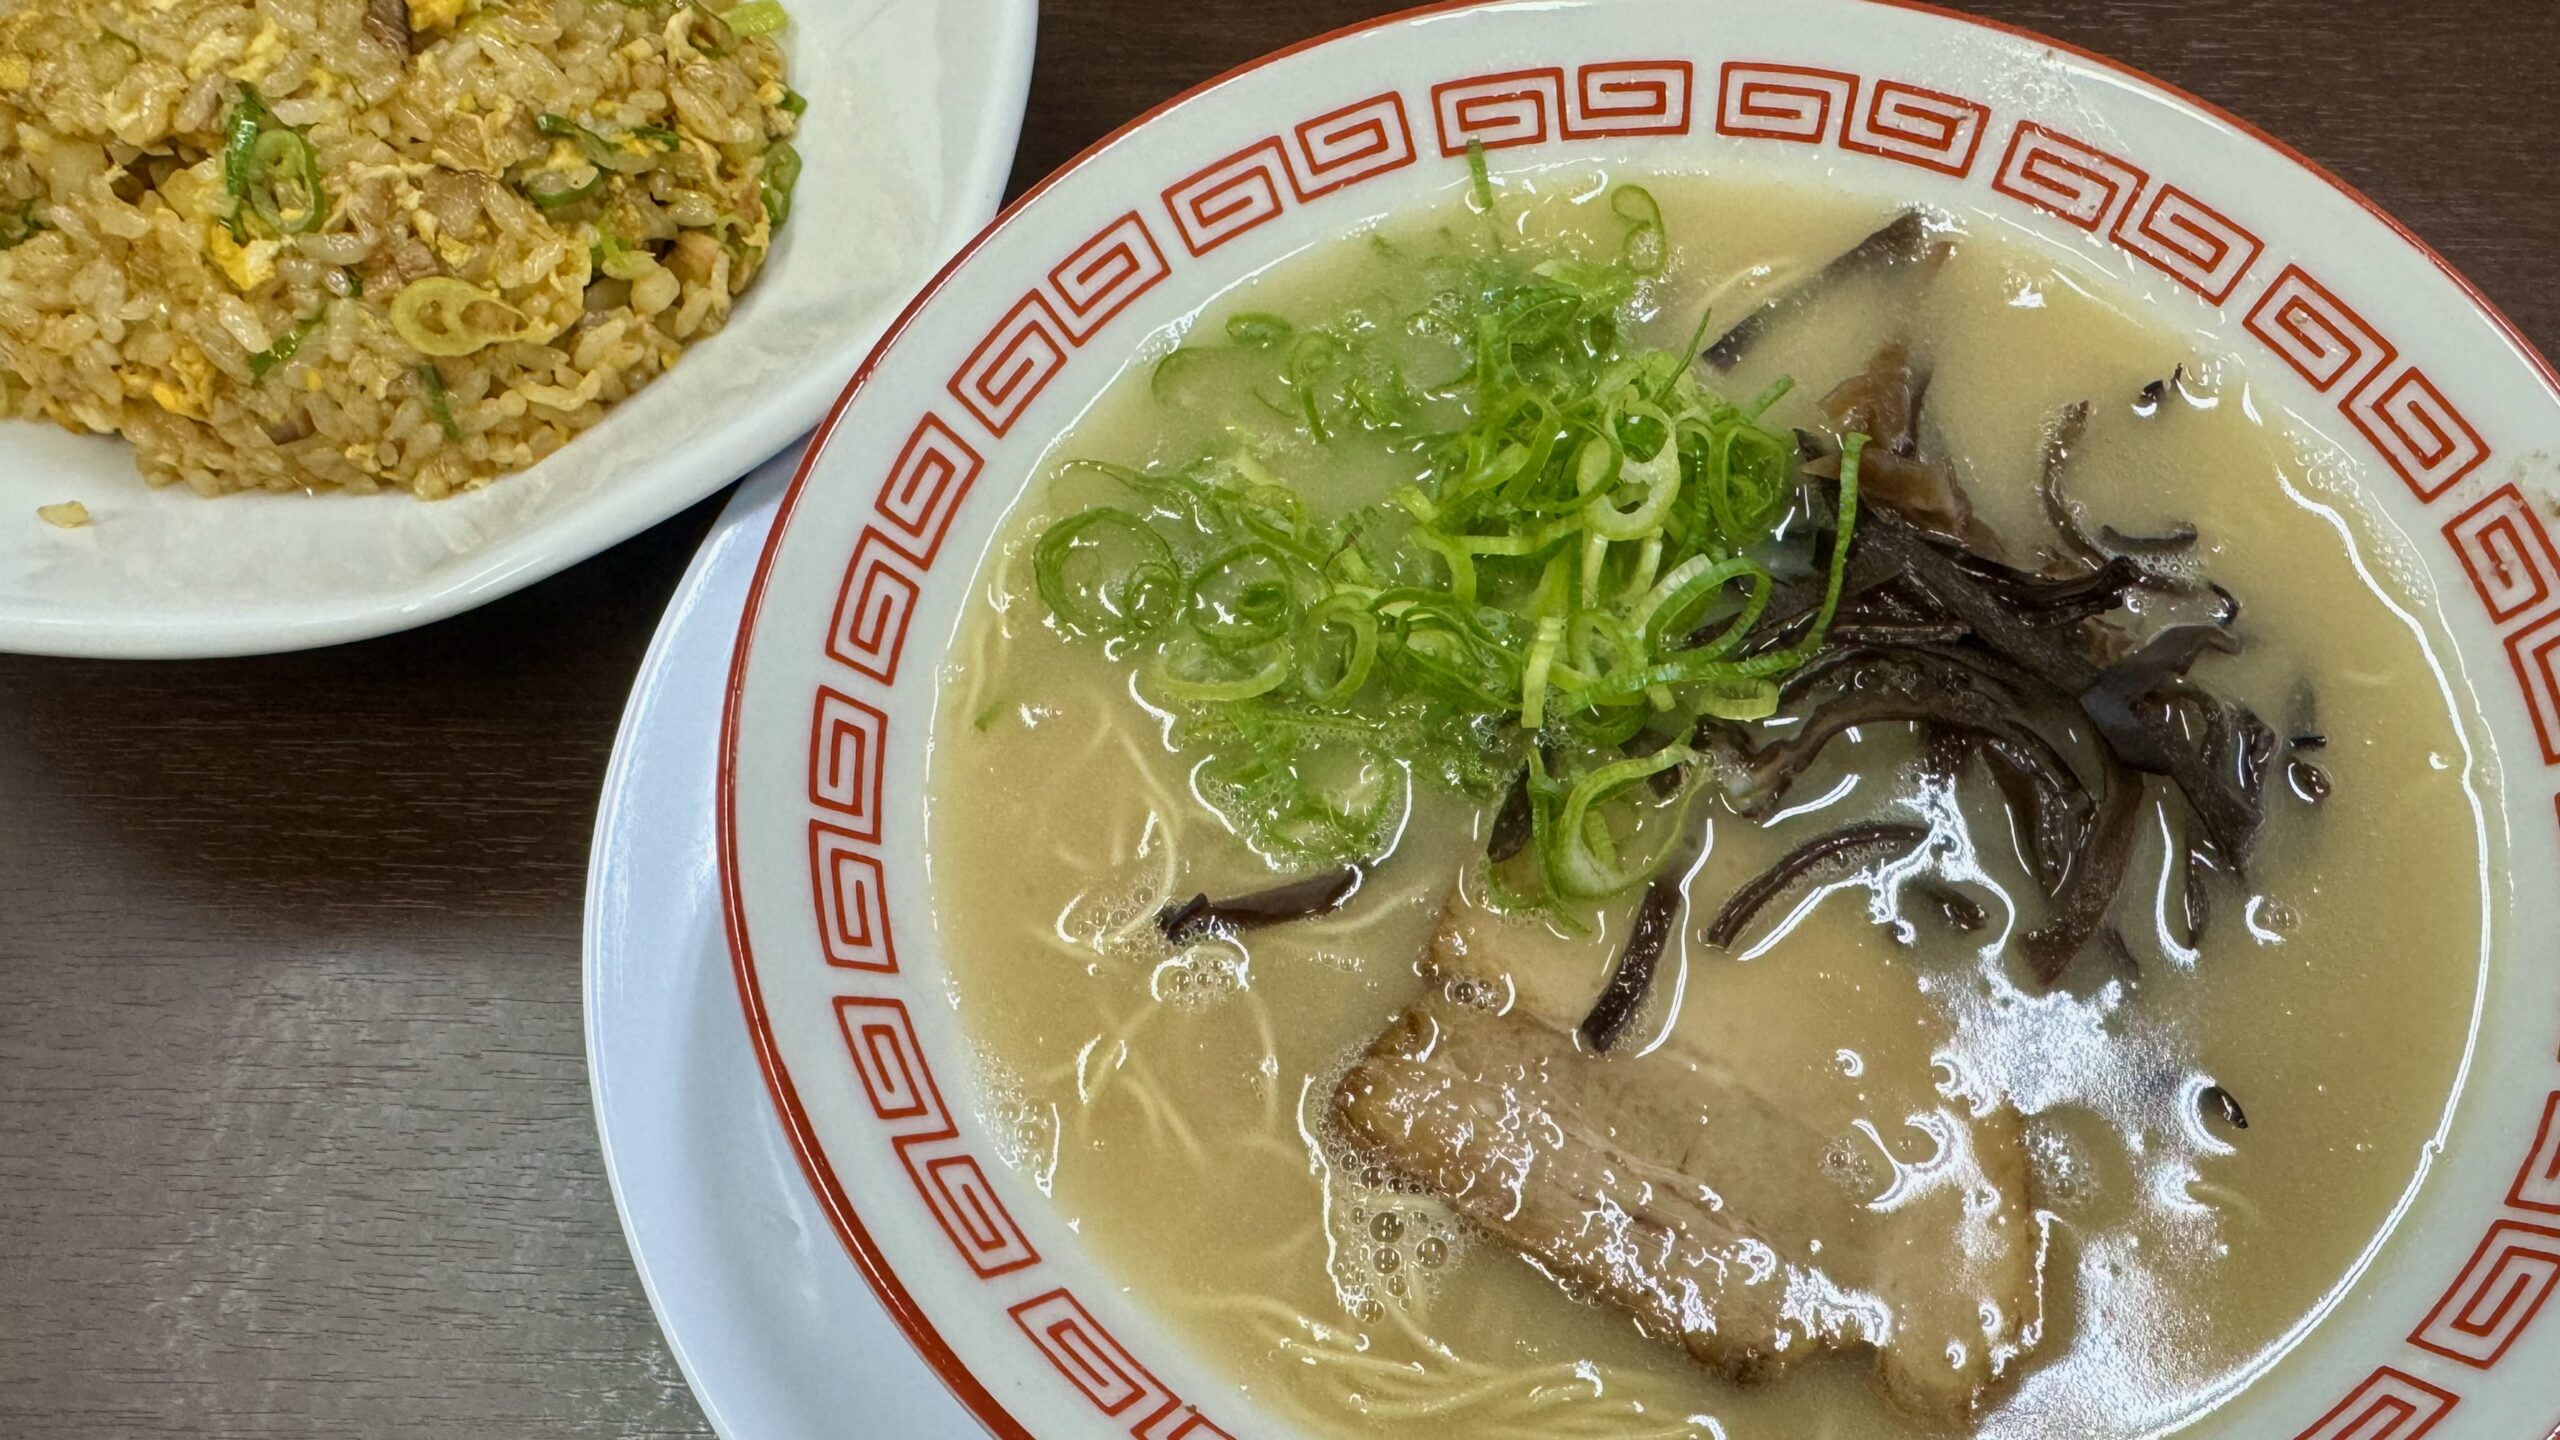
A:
[1201,973]
[1390,1243]
[1022,1127]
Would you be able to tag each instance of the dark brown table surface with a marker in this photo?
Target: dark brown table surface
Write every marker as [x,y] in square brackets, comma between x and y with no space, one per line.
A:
[294,1128]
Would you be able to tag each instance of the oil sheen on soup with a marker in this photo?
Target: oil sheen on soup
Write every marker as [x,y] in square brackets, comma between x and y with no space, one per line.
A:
[1371,1164]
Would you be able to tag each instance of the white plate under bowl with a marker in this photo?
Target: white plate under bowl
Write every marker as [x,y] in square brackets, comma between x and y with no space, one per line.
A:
[2349,327]
[914,106]
[767,1316]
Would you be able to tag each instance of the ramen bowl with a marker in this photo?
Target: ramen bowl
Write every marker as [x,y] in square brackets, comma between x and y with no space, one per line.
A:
[2354,336]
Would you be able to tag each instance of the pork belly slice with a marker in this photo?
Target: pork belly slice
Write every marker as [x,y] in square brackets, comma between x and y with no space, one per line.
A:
[1755,1226]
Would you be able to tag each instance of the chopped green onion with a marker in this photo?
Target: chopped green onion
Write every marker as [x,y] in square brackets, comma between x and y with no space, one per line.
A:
[1165,378]
[240,130]
[781,176]
[758,17]
[284,189]
[445,316]
[793,102]
[713,35]
[617,260]
[439,404]
[1329,679]
[1533,676]
[1256,329]
[1266,673]
[1647,246]
[558,189]
[1479,177]
[269,171]
[1582,862]
[285,347]
[605,152]
[1573,572]
[1126,605]
[19,226]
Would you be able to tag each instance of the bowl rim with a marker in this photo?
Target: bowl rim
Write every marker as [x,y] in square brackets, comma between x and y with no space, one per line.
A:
[874,1263]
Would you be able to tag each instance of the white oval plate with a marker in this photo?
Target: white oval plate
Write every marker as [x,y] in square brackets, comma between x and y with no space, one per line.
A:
[2348,325]
[760,1303]
[914,106]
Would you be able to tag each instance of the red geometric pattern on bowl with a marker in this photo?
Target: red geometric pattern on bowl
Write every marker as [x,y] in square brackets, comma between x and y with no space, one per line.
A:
[2191,243]
[2534,652]
[2070,179]
[870,625]
[1343,147]
[1630,97]
[1104,1372]
[2506,552]
[2538,1184]
[2391,1405]
[1229,196]
[853,901]
[2391,400]
[2496,1297]
[1115,267]
[1013,364]
[847,740]
[1927,128]
[881,1038]
[965,1204]
[1900,121]
[932,476]
[2426,440]
[2420,433]
[1535,106]
[1516,107]
[2319,335]
[1768,101]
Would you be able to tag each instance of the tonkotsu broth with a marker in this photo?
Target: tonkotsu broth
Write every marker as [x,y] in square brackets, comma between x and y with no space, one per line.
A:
[1173,1101]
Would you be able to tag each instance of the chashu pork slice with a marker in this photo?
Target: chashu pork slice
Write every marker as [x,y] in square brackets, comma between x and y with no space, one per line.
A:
[1755,1221]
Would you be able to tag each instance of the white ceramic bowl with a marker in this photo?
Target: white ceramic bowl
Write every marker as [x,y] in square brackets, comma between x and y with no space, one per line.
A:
[914,106]
[758,1299]
[2347,322]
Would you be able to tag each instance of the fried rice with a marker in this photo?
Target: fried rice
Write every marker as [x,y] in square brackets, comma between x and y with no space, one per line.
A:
[374,244]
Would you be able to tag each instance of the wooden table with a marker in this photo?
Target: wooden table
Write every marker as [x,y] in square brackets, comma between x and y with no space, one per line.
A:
[294,1130]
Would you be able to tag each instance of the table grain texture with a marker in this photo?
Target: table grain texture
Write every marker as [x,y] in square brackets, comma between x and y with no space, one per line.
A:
[294,1128]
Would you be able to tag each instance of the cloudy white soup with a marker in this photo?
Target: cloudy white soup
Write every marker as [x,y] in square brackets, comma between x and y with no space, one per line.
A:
[1670,809]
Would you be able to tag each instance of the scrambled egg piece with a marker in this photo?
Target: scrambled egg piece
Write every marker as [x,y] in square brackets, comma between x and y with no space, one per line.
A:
[213,53]
[246,266]
[15,72]
[264,47]
[190,397]
[69,515]
[437,14]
